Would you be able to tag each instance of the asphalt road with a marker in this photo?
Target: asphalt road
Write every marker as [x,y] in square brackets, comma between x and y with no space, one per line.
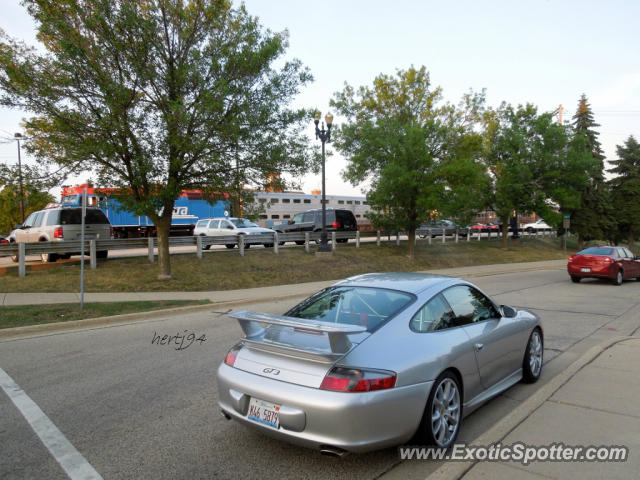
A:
[134,409]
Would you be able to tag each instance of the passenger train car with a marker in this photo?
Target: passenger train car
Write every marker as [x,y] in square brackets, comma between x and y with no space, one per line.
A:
[279,207]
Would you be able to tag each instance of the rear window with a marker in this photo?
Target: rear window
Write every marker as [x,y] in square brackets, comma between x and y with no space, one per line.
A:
[596,251]
[73,216]
[369,307]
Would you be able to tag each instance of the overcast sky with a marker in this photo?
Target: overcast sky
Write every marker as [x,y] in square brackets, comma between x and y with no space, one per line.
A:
[543,52]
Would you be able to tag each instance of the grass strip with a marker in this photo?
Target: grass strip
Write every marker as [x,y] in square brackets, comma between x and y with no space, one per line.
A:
[24,315]
[260,267]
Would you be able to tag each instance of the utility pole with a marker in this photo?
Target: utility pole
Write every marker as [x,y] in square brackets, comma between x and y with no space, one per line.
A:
[558,111]
[18,136]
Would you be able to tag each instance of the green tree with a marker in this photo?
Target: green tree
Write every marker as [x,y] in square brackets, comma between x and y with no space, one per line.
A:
[35,183]
[531,169]
[10,210]
[593,218]
[157,96]
[411,147]
[626,187]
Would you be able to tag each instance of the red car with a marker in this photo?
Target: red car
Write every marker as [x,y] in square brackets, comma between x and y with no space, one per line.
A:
[614,263]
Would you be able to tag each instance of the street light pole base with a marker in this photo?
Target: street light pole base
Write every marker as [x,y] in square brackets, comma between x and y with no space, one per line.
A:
[324,249]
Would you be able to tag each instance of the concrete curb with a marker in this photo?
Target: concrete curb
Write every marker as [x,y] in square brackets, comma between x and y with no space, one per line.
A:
[456,470]
[124,319]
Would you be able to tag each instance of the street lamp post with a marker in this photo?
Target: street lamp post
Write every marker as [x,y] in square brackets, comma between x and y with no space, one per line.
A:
[325,137]
[18,136]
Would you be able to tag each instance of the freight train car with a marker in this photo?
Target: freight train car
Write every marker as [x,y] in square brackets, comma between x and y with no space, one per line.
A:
[188,209]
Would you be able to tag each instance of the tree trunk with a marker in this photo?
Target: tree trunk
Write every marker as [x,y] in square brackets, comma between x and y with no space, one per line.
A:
[580,241]
[163,226]
[412,243]
[505,231]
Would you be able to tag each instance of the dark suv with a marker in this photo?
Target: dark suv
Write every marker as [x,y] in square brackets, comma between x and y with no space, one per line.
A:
[337,220]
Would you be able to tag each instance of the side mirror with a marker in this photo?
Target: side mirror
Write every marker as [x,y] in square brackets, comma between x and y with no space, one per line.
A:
[290,222]
[508,311]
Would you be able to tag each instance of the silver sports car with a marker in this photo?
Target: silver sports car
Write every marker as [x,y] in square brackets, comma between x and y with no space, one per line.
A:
[376,360]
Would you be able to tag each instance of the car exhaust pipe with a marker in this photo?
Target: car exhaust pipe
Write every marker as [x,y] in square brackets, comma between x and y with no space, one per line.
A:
[225,414]
[330,451]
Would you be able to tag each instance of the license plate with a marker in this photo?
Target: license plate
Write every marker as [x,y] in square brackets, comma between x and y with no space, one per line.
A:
[264,412]
[585,270]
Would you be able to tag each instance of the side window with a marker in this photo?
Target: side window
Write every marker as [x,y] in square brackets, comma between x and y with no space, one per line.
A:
[214,224]
[629,253]
[307,217]
[469,305]
[201,224]
[297,218]
[37,221]
[226,225]
[29,221]
[53,218]
[435,315]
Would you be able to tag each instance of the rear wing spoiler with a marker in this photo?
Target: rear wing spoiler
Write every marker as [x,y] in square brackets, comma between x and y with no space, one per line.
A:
[254,334]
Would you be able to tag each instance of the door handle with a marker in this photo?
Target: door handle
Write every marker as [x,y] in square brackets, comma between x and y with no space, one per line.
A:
[479,346]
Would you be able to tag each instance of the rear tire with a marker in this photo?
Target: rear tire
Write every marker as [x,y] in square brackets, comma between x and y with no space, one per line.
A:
[102,254]
[575,279]
[230,245]
[443,414]
[48,257]
[618,280]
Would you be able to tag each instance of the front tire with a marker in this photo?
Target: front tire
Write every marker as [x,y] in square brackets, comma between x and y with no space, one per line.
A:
[102,254]
[533,356]
[443,413]
[230,245]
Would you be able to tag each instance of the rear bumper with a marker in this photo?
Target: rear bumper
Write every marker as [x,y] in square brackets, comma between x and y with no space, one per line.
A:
[595,271]
[356,422]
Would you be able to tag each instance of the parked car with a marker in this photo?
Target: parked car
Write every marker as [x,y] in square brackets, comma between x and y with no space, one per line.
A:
[4,239]
[477,227]
[337,220]
[613,263]
[375,360]
[438,227]
[217,227]
[535,226]
[60,224]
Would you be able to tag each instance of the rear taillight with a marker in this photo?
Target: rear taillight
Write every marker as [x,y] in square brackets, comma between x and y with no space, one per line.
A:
[340,379]
[607,260]
[572,258]
[230,359]
[57,233]
[111,231]
[335,224]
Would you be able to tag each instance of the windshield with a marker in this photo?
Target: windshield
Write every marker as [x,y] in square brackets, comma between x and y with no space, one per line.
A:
[242,223]
[369,307]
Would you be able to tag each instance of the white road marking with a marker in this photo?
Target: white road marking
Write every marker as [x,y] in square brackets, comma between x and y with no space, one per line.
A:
[73,463]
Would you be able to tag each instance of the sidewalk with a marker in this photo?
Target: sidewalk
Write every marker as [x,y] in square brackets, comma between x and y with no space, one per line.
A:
[256,294]
[595,405]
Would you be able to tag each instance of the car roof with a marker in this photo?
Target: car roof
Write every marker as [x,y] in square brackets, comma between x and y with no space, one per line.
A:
[405,281]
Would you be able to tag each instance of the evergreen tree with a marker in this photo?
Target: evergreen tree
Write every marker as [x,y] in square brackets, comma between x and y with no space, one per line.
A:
[593,219]
[626,187]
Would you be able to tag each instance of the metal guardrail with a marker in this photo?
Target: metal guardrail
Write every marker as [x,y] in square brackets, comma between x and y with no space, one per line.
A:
[271,240]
